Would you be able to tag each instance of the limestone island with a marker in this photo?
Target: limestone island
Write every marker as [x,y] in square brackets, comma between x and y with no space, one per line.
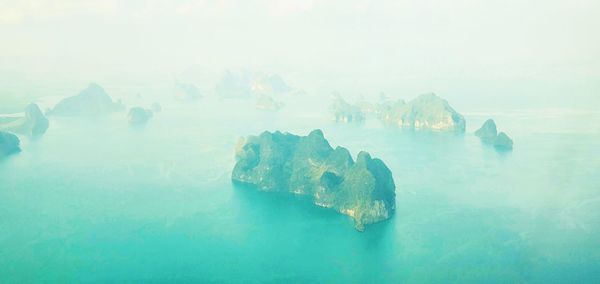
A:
[344,112]
[90,102]
[427,111]
[139,115]
[248,84]
[9,144]
[268,103]
[187,92]
[489,135]
[307,165]
[32,122]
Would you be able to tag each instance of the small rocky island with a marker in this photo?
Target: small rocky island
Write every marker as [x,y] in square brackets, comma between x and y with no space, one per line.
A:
[489,135]
[9,144]
[345,112]
[427,111]
[32,122]
[90,102]
[139,115]
[307,165]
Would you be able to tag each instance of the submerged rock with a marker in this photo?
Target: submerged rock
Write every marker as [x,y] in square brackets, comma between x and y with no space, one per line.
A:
[425,112]
[268,103]
[91,101]
[33,122]
[489,135]
[9,144]
[138,115]
[308,165]
[344,112]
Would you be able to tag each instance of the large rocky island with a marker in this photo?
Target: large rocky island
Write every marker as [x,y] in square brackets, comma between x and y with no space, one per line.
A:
[307,165]
[91,101]
[9,144]
[32,122]
[427,111]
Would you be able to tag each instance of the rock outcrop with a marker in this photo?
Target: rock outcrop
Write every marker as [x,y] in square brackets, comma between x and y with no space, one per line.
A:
[307,165]
[138,115]
[344,112]
[92,101]
[425,112]
[489,135]
[9,144]
[32,123]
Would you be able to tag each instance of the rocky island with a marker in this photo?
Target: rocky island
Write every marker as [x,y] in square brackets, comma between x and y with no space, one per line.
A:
[246,84]
[32,122]
[139,115]
[427,111]
[91,101]
[9,144]
[344,112]
[268,103]
[307,165]
[187,92]
[489,135]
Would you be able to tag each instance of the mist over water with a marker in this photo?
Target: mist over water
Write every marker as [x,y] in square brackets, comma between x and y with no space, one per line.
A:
[98,200]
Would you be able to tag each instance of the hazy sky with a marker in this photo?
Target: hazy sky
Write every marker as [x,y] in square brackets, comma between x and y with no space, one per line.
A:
[483,51]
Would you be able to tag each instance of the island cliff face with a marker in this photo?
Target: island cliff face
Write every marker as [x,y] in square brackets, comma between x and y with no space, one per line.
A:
[425,112]
[489,135]
[9,144]
[91,101]
[32,123]
[308,165]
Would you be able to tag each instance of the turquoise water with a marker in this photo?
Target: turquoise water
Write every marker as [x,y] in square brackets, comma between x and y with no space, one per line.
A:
[95,200]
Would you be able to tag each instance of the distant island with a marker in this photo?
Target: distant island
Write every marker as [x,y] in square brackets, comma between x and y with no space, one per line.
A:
[32,122]
[344,112]
[489,135]
[268,103]
[139,115]
[91,101]
[9,144]
[427,111]
[307,165]
[247,84]
[187,92]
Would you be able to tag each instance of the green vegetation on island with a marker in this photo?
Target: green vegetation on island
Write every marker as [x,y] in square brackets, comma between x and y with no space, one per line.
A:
[307,165]
[427,111]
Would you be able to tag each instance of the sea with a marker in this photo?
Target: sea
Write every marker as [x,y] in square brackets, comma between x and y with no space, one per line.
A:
[96,200]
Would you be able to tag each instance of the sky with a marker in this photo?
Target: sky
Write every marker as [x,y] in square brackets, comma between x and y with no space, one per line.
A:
[482,52]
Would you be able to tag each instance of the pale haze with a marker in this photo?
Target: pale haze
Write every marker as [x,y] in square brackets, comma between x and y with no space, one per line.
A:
[475,53]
